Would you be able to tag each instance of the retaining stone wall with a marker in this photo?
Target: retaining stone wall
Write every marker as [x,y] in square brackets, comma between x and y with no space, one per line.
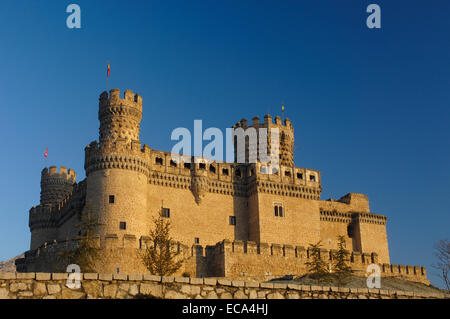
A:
[122,286]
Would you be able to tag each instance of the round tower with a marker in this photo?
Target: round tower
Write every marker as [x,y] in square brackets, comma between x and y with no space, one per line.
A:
[55,187]
[117,168]
[119,117]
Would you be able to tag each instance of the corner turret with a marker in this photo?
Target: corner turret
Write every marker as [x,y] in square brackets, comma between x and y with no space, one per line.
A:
[56,185]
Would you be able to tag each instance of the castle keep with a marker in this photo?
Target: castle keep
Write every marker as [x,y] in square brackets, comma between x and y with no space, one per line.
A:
[230,219]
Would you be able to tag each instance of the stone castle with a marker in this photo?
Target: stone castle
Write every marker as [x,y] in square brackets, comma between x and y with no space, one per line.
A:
[230,219]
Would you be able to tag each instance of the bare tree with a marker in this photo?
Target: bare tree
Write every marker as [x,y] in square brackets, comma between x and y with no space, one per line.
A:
[160,257]
[442,253]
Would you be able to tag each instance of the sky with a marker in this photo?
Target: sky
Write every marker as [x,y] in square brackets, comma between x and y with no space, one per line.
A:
[370,107]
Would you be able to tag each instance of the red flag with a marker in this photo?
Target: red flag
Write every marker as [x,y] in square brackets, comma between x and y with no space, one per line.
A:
[45,154]
[108,69]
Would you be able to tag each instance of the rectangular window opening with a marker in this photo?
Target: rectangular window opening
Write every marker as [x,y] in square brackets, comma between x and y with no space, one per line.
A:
[165,212]
[278,210]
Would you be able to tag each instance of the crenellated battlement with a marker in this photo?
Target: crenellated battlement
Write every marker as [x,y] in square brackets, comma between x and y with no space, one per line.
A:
[113,99]
[107,242]
[63,173]
[263,260]
[119,117]
[118,154]
[268,122]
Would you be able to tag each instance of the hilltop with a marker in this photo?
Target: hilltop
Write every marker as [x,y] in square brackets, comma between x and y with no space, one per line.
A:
[9,265]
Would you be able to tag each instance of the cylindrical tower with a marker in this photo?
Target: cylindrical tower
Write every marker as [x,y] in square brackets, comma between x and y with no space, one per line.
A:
[119,118]
[55,187]
[117,168]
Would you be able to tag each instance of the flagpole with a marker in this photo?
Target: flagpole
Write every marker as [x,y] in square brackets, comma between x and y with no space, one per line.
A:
[45,156]
[107,76]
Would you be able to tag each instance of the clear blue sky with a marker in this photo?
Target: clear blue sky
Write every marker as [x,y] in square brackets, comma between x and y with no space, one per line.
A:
[370,107]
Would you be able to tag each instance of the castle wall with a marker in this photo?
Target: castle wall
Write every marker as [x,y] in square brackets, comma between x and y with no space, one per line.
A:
[208,221]
[41,236]
[251,261]
[374,238]
[237,260]
[330,230]
[253,220]
[299,226]
[335,220]
[351,217]
[69,229]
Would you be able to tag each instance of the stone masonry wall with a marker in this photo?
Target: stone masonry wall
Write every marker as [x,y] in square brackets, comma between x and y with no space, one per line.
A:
[248,260]
[121,286]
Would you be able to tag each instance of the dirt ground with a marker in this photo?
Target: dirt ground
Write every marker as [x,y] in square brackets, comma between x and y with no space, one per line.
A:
[387,283]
